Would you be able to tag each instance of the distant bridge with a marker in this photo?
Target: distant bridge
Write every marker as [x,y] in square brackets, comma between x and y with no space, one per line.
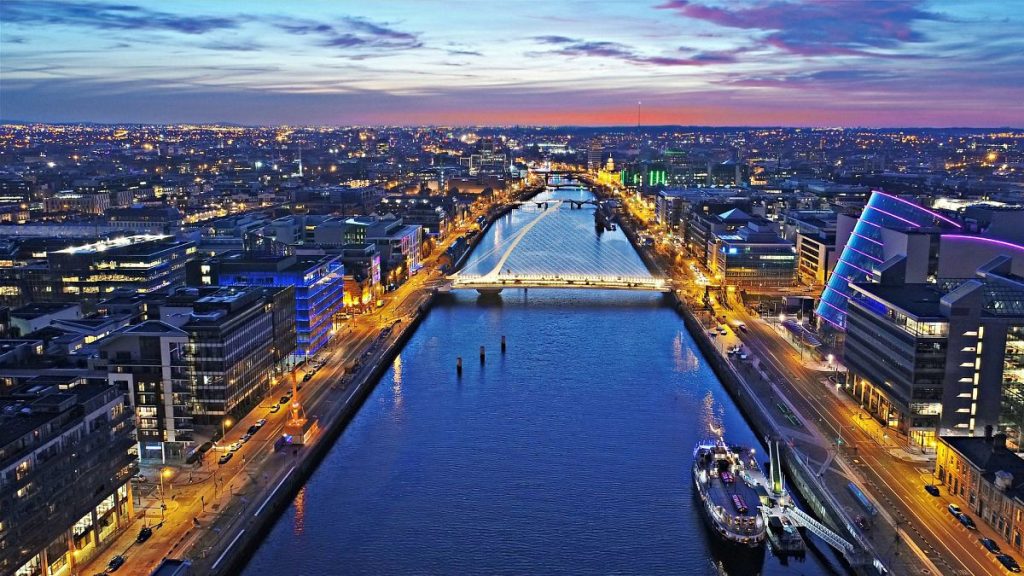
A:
[621,276]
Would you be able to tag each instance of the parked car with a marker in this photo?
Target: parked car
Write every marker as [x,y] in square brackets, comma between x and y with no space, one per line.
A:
[206,447]
[285,399]
[742,327]
[990,545]
[967,522]
[1008,562]
[275,408]
[722,330]
[144,534]
[115,563]
[954,510]
[931,489]
[307,377]
[246,437]
[225,457]
[253,429]
[260,423]
[235,446]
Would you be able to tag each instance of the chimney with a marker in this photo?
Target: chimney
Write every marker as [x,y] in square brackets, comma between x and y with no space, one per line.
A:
[999,442]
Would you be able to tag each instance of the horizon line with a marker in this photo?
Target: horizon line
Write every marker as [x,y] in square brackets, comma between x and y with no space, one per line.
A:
[4,122]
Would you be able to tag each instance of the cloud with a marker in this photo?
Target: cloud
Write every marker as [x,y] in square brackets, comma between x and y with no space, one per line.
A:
[232,46]
[574,47]
[819,27]
[106,16]
[351,32]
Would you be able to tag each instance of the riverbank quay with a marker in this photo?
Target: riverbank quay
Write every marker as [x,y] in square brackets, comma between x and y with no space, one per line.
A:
[214,512]
[809,458]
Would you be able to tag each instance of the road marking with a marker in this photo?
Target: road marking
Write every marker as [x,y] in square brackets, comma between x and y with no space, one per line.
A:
[224,553]
[274,491]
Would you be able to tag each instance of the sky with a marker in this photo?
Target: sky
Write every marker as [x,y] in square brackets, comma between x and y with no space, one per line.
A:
[557,62]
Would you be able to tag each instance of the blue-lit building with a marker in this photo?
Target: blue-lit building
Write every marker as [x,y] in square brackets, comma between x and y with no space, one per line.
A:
[318,281]
[887,227]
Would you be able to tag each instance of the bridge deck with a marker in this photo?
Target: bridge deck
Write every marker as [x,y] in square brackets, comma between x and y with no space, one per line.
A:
[489,282]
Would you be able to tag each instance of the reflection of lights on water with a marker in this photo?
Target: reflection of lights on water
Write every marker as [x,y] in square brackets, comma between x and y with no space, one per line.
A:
[396,386]
[711,415]
[683,357]
[300,512]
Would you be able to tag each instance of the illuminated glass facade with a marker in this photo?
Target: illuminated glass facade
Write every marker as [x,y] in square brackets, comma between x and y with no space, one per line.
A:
[318,282]
[865,249]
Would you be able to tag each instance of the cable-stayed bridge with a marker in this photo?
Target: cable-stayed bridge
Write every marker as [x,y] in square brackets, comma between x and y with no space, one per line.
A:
[618,270]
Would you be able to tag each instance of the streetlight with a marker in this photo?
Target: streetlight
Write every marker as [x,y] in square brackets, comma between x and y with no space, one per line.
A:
[164,473]
[224,425]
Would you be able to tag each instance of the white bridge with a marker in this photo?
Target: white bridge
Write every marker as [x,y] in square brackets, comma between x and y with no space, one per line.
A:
[620,275]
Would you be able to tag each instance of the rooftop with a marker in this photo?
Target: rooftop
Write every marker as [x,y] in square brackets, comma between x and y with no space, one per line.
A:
[113,243]
[918,300]
[990,455]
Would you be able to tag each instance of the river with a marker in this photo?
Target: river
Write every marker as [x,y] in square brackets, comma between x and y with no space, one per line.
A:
[568,454]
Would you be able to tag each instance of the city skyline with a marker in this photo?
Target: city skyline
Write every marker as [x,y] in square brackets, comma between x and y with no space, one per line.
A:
[873,64]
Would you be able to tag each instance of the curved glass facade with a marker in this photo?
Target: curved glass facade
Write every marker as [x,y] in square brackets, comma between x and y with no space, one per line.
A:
[865,249]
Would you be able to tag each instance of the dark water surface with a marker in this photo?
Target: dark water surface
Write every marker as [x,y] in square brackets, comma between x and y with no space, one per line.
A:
[569,454]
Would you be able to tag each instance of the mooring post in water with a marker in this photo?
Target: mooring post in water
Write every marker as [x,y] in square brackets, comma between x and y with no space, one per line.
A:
[458,366]
[502,343]
[483,355]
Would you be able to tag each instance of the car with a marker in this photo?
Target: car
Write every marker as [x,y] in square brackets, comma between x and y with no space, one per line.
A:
[307,377]
[990,545]
[138,478]
[225,458]
[712,333]
[235,446]
[245,438]
[115,563]
[931,489]
[722,330]
[260,423]
[743,355]
[967,522]
[285,399]
[954,510]
[275,408]
[742,327]
[144,534]
[205,447]
[1008,562]
[252,430]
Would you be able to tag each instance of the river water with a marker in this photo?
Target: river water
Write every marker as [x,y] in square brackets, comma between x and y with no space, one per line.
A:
[568,454]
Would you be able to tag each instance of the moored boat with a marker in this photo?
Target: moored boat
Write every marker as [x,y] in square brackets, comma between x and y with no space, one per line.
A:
[723,477]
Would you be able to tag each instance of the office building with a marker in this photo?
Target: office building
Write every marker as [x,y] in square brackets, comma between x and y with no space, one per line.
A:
[147,362]
[230,352]
[755,256]
[143,263]
[318,286]
[66,457]
[944,357]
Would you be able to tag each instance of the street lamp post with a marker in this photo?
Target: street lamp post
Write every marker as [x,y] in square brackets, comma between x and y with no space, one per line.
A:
[164,473]
[224,425]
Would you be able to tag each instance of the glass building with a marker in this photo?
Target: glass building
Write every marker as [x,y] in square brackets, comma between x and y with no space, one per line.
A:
[869,245]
